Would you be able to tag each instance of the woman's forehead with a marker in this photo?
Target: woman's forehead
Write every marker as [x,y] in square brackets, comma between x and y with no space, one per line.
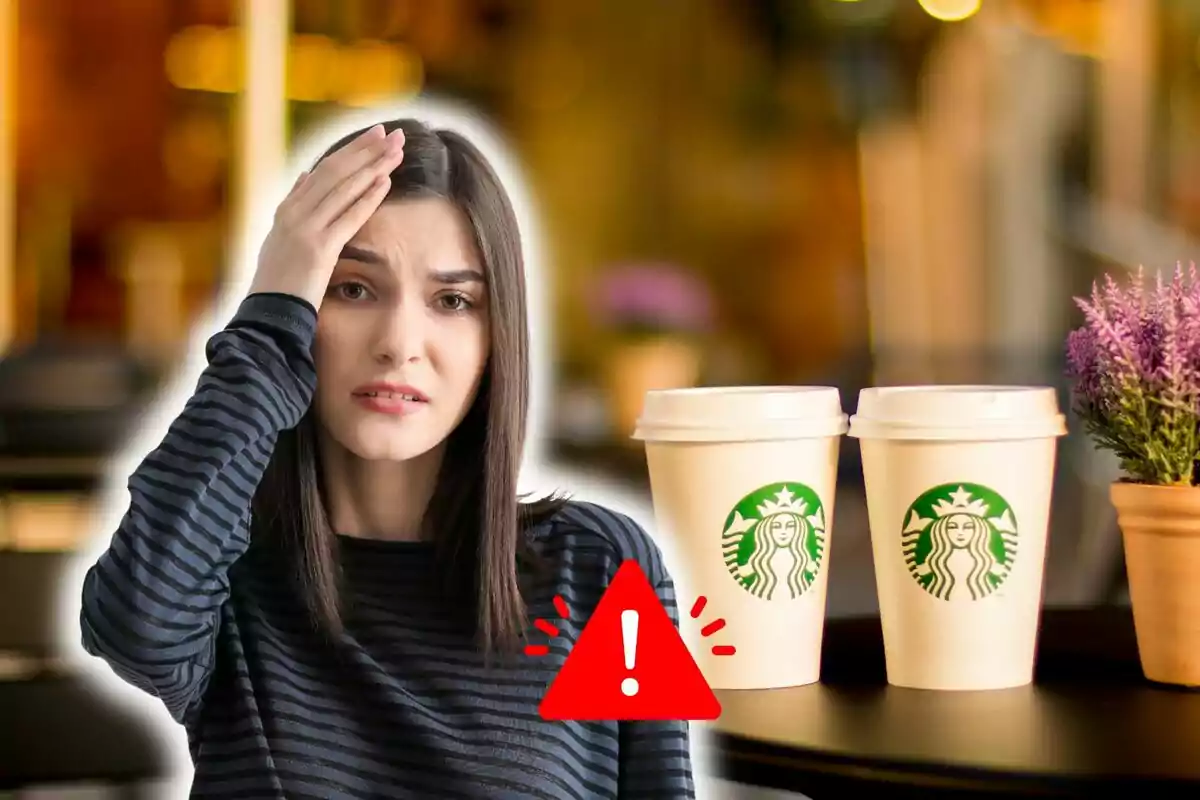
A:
[423,232]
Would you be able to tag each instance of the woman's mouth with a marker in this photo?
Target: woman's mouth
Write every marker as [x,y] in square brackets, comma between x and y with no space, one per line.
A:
[384,403]
[392,396]
[390,400]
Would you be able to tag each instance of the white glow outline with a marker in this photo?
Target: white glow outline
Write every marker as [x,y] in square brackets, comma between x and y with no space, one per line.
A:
[537,474]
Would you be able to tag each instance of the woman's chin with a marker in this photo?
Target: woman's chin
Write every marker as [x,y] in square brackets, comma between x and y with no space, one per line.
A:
[390,446]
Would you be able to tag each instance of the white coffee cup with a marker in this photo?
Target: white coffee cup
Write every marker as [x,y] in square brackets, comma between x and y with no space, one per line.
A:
[959,483]
[727,464]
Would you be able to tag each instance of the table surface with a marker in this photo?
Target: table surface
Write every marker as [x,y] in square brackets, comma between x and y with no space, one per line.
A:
[1089,720]
[58,729]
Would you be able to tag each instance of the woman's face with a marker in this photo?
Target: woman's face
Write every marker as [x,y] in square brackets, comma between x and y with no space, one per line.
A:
[403,332]
[784,528]
[961,528]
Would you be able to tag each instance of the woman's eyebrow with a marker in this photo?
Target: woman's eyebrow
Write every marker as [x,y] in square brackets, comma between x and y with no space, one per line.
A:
[354,253]
[364,256]
[458,276]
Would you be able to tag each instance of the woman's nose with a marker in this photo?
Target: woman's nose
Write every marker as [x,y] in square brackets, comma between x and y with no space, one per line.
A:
[402,334]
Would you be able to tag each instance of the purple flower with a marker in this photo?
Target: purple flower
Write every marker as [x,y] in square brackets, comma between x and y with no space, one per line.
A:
[1135,363]
[1083,363]
[652,297]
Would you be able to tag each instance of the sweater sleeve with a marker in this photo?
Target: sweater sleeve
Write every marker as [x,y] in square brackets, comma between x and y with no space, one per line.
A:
[654,760]
[655,756]
[152,601]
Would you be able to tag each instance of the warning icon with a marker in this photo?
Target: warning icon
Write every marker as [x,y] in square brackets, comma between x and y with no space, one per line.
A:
[630,663]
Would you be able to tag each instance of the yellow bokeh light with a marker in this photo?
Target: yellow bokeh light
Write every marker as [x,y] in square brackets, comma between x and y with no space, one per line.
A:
[181,58]
[950,10]
[312,67]
[204,58]
[319,69]
[370,70]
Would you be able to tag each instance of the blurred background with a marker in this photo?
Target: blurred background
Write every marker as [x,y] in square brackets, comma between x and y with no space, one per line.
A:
[845,192]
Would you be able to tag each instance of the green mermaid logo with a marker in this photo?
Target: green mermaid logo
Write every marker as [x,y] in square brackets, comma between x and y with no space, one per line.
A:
[774,541]
[960,541]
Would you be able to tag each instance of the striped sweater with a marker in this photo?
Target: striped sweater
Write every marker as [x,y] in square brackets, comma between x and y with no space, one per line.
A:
[401,705]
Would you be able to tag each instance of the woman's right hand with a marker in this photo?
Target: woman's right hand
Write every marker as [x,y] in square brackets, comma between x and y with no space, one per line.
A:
[324,209]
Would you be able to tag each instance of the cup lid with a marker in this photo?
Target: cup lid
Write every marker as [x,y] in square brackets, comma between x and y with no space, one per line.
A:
[957,412]
[741,413]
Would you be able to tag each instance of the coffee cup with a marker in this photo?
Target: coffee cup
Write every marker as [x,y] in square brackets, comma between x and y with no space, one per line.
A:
[959,484]
[743,479]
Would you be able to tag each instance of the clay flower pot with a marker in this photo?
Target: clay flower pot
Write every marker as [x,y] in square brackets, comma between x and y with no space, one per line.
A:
[637,367]
[1160,526]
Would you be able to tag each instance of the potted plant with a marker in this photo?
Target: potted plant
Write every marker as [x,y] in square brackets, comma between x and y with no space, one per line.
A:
[653,316]
[1135,366]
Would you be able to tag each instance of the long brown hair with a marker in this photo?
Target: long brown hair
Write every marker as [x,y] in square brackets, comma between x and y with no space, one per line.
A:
[475,516]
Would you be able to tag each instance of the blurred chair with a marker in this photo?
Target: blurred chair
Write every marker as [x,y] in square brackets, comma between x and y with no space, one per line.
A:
[28,618]
[63,411]
[60,400]
[54,729]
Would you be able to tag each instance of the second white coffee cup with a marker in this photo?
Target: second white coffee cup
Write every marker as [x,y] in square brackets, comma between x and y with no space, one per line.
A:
[958,483]
[744,480]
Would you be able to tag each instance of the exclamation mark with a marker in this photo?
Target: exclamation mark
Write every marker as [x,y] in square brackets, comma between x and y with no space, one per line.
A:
[629,630]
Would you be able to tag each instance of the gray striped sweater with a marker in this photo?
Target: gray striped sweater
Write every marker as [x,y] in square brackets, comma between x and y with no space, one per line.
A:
[401,705]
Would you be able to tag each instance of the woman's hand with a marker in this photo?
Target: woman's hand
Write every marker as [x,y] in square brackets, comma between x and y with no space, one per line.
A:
[324,209]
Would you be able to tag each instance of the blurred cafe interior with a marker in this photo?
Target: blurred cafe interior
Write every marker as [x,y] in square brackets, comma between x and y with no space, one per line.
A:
[843,192]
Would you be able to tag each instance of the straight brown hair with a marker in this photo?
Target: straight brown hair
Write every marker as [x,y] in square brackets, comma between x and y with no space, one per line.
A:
[475,517]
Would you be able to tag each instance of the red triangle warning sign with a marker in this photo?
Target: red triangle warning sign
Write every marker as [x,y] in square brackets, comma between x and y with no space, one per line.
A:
[630,663]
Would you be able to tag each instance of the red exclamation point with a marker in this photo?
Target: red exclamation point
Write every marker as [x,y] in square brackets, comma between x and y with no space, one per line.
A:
[629,630]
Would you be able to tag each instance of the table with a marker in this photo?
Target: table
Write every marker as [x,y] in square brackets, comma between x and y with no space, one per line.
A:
[1090,725]
[56,729]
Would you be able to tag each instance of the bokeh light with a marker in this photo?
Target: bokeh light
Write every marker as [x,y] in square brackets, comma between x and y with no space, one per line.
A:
[950,10]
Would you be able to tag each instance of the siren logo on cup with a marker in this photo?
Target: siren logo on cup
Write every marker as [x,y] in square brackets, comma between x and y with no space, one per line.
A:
[960,541]
[774,541]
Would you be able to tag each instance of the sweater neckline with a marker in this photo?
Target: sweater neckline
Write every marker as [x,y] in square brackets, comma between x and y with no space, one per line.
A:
[368,544]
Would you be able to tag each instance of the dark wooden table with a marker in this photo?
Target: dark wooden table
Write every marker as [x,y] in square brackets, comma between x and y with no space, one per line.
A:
[56,729]
[1090,725]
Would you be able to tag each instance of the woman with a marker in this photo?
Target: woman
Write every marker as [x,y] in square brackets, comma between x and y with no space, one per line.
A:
[781,540]
[959,552]
[325,572]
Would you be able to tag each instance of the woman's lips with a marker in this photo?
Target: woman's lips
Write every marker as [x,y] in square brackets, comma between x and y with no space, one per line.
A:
[389,403]
[389,398]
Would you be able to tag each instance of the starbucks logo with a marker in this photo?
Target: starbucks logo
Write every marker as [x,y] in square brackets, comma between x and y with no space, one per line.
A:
[774,540]
[960,541]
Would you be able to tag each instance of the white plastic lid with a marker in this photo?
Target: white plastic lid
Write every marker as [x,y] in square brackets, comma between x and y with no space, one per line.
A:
[962,413]
[741,413]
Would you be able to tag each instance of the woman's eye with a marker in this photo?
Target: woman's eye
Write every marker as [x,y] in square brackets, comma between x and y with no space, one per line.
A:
[351,290]
[455,302]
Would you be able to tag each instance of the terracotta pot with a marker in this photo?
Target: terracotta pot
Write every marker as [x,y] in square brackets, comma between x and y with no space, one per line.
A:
[636,367]
[1160,526]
